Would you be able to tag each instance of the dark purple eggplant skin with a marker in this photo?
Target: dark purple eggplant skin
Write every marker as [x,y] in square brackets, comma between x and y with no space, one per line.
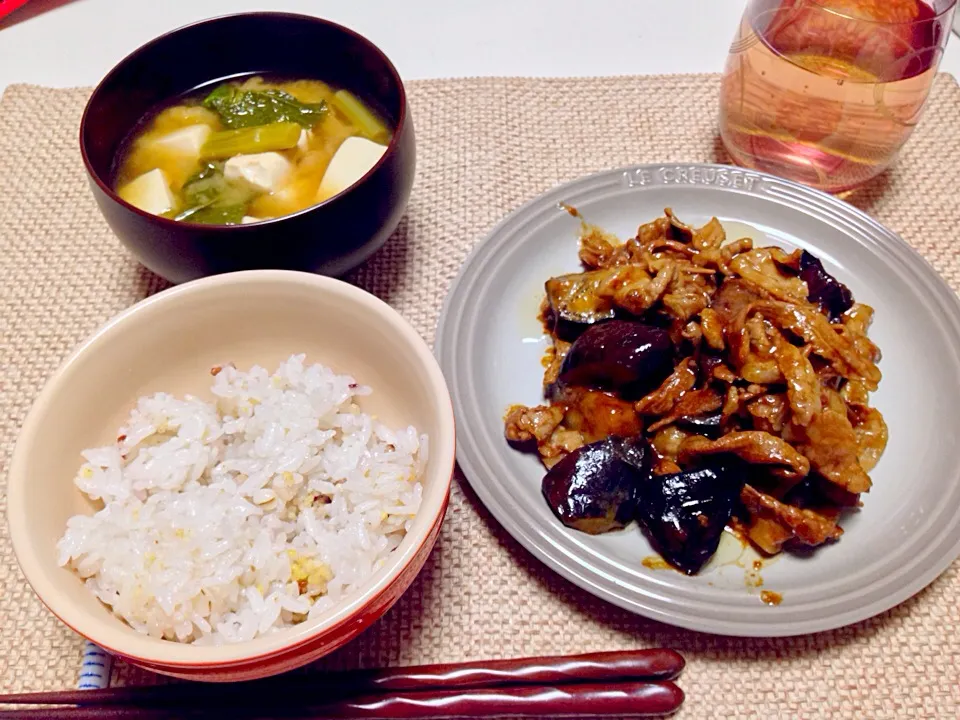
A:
[574,298]
[594,489]
[629,357]
[569,330]
[684,513]
[833,297]
[710,425]
[816,491]
[706,364]
[575,304]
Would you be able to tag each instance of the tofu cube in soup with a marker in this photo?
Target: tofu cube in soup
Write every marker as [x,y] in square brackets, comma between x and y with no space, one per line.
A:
[354,159]
[265,172]
[150,192]
[185,141]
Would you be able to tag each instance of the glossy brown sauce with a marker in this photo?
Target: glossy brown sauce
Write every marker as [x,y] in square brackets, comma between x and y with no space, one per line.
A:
[655,562]
[769,597]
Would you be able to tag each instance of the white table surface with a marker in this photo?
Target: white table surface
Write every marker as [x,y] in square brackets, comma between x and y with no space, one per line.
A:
[64,43]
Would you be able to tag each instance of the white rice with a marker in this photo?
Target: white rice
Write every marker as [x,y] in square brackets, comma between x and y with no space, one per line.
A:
[227,520]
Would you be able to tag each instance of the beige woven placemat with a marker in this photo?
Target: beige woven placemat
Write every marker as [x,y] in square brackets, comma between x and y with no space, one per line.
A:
[484,146]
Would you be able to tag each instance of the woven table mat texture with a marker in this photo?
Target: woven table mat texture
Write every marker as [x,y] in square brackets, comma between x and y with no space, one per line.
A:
[484,146]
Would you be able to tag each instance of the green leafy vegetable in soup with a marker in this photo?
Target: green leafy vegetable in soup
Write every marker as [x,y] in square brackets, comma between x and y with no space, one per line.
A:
[262,138]
[250,150]
[368,123]
[212,199]
[247,108]
[214,215]
[206,185]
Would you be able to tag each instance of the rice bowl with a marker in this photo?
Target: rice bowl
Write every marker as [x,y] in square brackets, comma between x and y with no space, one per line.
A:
[168,344]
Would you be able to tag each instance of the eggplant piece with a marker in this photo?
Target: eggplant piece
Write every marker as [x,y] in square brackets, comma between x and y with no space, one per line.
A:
[815,491]
[575,303]
[833,297]
[594,488]
[706,364]
[685,513]
[620,355]
[710,425]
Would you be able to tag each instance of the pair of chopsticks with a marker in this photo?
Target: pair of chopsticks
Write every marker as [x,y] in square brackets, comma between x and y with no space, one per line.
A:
[628,684]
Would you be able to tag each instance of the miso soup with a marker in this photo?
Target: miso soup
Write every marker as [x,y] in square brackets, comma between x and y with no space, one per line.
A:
[249,150]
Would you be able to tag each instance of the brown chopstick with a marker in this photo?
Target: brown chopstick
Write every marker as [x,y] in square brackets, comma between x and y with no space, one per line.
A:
[654,664]
[578,700]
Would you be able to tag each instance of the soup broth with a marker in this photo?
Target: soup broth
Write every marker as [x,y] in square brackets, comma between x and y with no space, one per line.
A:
[249,150]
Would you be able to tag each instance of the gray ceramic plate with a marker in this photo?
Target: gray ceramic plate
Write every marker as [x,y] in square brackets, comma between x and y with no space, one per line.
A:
[490,344]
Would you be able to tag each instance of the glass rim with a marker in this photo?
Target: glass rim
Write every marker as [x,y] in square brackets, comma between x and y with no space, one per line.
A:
[951,4]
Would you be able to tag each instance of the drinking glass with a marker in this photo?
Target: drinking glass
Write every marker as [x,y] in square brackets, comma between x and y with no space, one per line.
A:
[826,92]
